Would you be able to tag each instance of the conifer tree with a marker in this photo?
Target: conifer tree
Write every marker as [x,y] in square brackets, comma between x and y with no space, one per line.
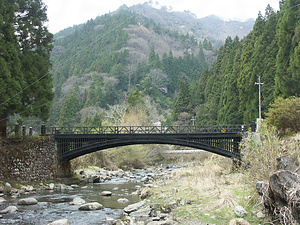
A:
[288,57]
[10,65]
[25,45]
[183,98]
[70,108]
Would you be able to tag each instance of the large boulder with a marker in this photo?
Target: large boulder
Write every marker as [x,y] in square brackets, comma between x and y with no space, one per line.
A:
[281,196]
[27,201]
[286,162]
[9,209]
[106,193]
[142,214]
[91,206]
[77,201]
[2,201]
[282,184]
[134,207]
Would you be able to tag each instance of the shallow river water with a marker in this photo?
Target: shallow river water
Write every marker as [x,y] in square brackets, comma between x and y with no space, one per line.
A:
[54,205]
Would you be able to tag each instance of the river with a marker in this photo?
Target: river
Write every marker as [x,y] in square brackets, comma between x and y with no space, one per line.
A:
[54,205]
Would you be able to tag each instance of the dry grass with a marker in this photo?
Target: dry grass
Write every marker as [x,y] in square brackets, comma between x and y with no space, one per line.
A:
[211,180]
[99,159]
[213,189]
[260,151]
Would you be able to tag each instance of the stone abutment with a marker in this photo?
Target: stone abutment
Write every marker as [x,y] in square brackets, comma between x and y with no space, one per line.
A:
[29,159]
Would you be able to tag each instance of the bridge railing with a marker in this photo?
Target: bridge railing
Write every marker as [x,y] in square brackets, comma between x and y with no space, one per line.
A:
[147,129]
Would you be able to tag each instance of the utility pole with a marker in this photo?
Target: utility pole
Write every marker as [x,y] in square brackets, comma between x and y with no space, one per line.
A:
[129,80]
[259,101]
[193,120]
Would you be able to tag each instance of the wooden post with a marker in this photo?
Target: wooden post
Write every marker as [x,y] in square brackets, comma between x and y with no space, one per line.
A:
[23,130]
[43,130]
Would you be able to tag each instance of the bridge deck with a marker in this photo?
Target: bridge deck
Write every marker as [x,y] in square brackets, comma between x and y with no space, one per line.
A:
[147,129]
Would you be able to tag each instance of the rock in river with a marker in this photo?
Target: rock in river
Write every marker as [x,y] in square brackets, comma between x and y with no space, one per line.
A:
[9,209]
[91,206]
[134,207]
[2,201]
[77,201]
[27,201]
[106,193]
[123,200]
[60,222]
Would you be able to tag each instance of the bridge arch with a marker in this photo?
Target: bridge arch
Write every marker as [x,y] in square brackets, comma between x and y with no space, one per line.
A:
[73,146]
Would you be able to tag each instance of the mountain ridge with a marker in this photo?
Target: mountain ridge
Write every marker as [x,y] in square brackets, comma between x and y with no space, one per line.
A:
[211,27]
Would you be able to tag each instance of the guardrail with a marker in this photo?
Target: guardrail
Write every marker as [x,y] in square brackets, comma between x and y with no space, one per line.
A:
[147,129]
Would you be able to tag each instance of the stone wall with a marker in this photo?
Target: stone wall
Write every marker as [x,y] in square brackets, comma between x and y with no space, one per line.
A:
[28,159]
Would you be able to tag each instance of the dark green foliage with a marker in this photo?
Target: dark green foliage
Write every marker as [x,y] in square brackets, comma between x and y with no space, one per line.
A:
[70,108]
[95,121]
[207,45]
[92,47]
[228,94]
[183,99]
[284,114]
[25,46]
[288,57]
[135,98]
[94,96]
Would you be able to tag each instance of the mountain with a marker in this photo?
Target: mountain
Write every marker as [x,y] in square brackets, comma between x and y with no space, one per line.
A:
[135,52]
[211,27]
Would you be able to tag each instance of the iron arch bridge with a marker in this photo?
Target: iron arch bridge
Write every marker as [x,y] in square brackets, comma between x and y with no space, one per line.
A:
[73,142]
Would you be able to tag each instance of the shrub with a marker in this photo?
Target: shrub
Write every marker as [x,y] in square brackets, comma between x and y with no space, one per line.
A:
[260,151]
[284,114]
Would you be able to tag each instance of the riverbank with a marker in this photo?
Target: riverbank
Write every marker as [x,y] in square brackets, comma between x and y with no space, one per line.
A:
[207,192]
[203,193]
[212,193]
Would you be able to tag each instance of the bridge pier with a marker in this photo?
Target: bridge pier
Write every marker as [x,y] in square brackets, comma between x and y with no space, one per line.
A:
[64,168]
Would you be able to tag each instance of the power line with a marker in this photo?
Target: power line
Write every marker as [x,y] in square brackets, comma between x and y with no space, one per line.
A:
[68,59]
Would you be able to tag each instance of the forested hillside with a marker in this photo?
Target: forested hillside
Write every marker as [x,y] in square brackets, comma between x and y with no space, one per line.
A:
[97,65]
[125,62]
[227,92]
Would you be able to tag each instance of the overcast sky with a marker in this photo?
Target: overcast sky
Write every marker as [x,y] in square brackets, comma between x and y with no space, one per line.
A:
[66,13]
